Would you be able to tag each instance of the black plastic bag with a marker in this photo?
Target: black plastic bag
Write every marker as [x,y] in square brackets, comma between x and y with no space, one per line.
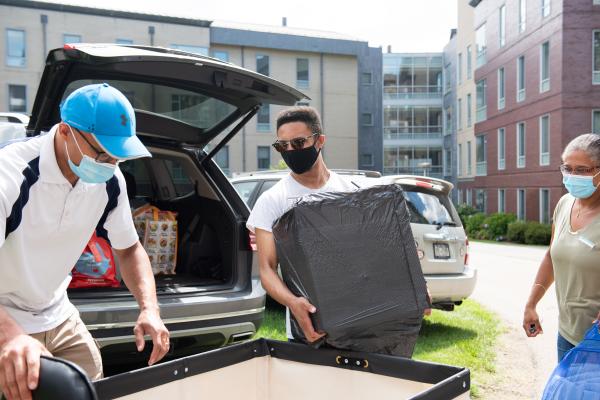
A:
[353,256]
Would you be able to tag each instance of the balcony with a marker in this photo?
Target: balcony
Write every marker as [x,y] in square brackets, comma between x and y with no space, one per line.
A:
[435,171]
[481,114]
[415,132]
[411,92]
[481,58]
[481,168]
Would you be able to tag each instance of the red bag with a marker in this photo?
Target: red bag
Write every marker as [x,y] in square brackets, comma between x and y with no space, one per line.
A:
[96,266]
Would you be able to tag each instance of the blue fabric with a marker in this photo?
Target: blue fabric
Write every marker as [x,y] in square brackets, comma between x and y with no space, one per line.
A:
[106,113]
[31,174]
[577,376]
[562,347]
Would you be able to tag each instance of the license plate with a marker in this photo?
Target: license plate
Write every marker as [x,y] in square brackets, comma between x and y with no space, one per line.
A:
[441,250]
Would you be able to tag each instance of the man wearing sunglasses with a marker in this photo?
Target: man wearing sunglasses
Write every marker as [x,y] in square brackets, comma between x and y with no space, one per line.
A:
[300,140]
[55,191]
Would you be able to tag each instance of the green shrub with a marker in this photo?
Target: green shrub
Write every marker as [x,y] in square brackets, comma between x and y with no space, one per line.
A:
[474,224]
[497,225]
[516,231]
[537,233]
[465,211]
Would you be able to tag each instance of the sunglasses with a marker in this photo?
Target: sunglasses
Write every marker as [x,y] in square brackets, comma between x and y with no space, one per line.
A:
[101,156]
[565,169]
[296,143]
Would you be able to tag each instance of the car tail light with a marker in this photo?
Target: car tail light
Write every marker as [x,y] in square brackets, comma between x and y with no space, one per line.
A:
[252,241]
[69,47]
[467,252]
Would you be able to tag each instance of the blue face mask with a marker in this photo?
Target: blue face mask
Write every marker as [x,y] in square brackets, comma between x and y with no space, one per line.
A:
[580,187]
[90,170]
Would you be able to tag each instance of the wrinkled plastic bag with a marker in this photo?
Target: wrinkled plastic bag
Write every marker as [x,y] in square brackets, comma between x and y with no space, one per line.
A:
[577,376]
[353,256]
[95,267]
[157,230]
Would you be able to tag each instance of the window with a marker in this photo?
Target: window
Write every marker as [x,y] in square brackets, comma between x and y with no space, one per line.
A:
[469,66]
[501,88]
[596,67]
[481,113]
[469,110]
[203,51]
[302,73]
[68,38]
[409,122]
[448,163]
[459,68]
[459,196]
[502,26]
[263,157]
[501,148]
[596,121]
[221,55]
[222,159]
[544,206]
[545,8]
[262,64]
[521,204]
[481,155]
[15,48]
[501,200]
[469,198]
[520,78]
[366,160]
[182,183]
[545,140]
[459,114]
[545,67]
[522,15]
[427,207]
[367,119]
[263,119]
[481,200]
[448,129]
[459,160]
[302,103]
[480,45]
[245,189]
[521,145]
[469,159]
[123,41]
[366,78]
[17,98]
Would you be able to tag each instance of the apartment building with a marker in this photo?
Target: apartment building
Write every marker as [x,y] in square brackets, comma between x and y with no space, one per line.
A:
[450,144]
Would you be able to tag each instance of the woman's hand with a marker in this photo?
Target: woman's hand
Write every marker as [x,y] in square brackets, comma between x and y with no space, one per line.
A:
[531,322]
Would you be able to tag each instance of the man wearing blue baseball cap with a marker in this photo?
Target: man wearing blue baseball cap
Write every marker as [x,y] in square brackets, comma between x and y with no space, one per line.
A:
[56,190]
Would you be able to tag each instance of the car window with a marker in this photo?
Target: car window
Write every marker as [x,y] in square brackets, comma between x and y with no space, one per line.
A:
[189,107]
[430,208]
[183,184]
[136,173]
[245,190]
[265,186]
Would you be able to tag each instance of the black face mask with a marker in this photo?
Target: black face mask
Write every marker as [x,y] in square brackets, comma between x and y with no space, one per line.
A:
[300,161]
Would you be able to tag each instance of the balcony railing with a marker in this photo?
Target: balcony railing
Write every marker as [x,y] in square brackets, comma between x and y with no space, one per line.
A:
[501,163]
[481,58]
[481,114]
[416,132]
[481,168]
[596,78]
[500,103]
[545,159]
[434,171]
[521,94]
[521,162]
[411,92]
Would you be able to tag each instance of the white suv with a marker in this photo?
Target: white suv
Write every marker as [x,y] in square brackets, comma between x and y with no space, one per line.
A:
[440,238]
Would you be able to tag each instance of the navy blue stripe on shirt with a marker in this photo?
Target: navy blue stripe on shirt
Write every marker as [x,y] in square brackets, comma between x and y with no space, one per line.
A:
[31,173]
[112,190]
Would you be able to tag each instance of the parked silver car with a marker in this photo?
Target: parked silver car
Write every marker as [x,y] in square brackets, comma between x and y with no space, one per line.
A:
[185,104]
[442,244]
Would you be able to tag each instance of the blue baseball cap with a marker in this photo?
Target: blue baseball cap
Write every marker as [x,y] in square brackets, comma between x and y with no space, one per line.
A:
[106,113]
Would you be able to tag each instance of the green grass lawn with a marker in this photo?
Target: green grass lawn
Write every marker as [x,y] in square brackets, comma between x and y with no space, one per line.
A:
[465,337]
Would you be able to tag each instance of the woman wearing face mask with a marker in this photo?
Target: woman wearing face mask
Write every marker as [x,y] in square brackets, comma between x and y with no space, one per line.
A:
[572,260]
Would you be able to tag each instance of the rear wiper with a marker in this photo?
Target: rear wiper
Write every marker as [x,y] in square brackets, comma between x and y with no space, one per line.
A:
[445,223]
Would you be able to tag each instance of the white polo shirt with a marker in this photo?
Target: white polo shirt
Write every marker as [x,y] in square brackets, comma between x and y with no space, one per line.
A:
[45,224]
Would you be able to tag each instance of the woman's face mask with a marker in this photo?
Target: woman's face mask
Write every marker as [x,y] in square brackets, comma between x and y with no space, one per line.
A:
[580,186]
[90,170]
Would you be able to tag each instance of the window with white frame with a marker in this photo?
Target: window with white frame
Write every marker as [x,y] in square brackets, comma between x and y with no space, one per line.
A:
[522,15]
[262,64]
[520,78]
[469,195]
[596,121]
[459,68]
[544,206]
[459,169]
[469,63]
[70,38]
[596,59]
[545,140]
[481,101]
[481,200]
[480,46]
[459,115]
[502,26]
[459,196]
[481,155]
[521,145]
[263,119]
[545,8]
[469,159]
[545,67]
[501,148]
[501,88]
[15,48]
[302,73]
[469,107]
[521,215]
[17,98]
[501,200]
[263,157]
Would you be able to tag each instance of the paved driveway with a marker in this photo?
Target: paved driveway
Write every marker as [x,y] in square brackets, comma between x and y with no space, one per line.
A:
[506,273]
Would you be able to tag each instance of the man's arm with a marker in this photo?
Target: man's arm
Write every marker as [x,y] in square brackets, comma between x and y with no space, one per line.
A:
[299,306]
[137,274]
